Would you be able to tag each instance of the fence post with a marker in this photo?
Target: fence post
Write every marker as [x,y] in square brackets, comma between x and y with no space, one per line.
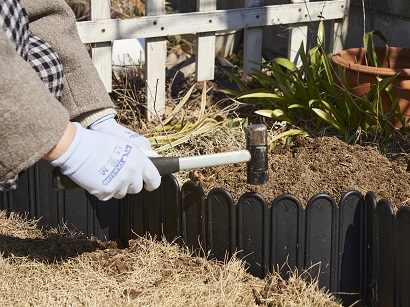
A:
[171,209]
[370,251]
[205,47]
[385,223]
[252,50]
[339,31]
[193,217]
[403,256]
[322,240]
[221,224]
[253,233]
[287,235]
[351,247]
[101,52]
[298,33]
[155,57]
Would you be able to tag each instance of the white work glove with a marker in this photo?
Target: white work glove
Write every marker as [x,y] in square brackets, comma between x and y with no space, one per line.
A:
[109,125]
[107,165]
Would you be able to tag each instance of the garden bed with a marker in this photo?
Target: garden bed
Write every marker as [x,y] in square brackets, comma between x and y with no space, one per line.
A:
[312,165]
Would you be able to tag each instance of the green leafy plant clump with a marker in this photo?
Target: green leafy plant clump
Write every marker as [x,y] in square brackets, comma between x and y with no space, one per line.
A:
[313,91]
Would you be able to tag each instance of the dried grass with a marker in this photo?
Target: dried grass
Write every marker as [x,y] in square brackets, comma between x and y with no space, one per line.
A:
[126,9]
[147,273]
[299,289]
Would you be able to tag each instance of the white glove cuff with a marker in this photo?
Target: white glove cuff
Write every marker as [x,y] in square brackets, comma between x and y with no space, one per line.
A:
[107,120]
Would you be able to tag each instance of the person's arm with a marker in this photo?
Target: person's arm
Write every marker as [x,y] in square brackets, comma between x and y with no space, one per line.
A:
[32,121]
[63,144]
[84,95]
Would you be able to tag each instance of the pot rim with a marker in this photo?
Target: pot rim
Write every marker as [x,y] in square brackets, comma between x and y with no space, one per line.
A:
[381,71]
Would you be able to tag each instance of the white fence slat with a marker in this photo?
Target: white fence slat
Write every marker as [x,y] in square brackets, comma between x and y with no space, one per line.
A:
[155,58]
[298,34]
[197,22]
[336,39]
[252,49]
[338,30]
[205,46]
[101,52]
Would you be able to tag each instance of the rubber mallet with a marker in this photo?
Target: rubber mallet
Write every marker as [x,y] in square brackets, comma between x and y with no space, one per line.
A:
[255,155]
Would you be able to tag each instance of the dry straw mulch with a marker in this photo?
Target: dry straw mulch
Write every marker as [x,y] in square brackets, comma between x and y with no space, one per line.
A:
[59,268]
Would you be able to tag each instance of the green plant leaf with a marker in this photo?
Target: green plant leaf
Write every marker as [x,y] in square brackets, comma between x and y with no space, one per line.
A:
[311,71]
[277,114]
[299,106]
[274,97]
[339,116]
[301,92]
[368,43]
[265,80]
[289,65]
[321,35]
[326,60]
[329,119]
[380,87]
[283,80]
[288,133]
[232,92]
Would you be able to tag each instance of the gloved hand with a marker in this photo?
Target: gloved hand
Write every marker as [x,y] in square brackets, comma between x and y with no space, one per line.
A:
[107,165]
[109,125]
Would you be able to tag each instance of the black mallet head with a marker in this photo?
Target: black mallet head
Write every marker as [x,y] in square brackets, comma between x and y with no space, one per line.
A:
[256,144]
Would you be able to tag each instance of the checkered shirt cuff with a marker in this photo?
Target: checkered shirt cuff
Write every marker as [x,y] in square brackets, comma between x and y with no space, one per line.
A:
[46,63]
[14,22]
[10,184]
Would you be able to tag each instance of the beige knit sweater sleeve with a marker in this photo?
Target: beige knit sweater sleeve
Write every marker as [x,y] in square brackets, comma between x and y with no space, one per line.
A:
[32,121]
[84,94]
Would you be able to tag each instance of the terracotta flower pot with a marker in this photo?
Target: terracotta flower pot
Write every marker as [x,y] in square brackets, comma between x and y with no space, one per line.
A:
[360,76]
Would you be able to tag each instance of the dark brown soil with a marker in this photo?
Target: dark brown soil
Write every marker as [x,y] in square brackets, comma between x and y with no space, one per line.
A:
[305,167]
[309,166]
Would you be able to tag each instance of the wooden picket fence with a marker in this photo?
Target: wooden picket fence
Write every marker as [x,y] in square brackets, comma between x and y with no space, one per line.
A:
[101,31]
